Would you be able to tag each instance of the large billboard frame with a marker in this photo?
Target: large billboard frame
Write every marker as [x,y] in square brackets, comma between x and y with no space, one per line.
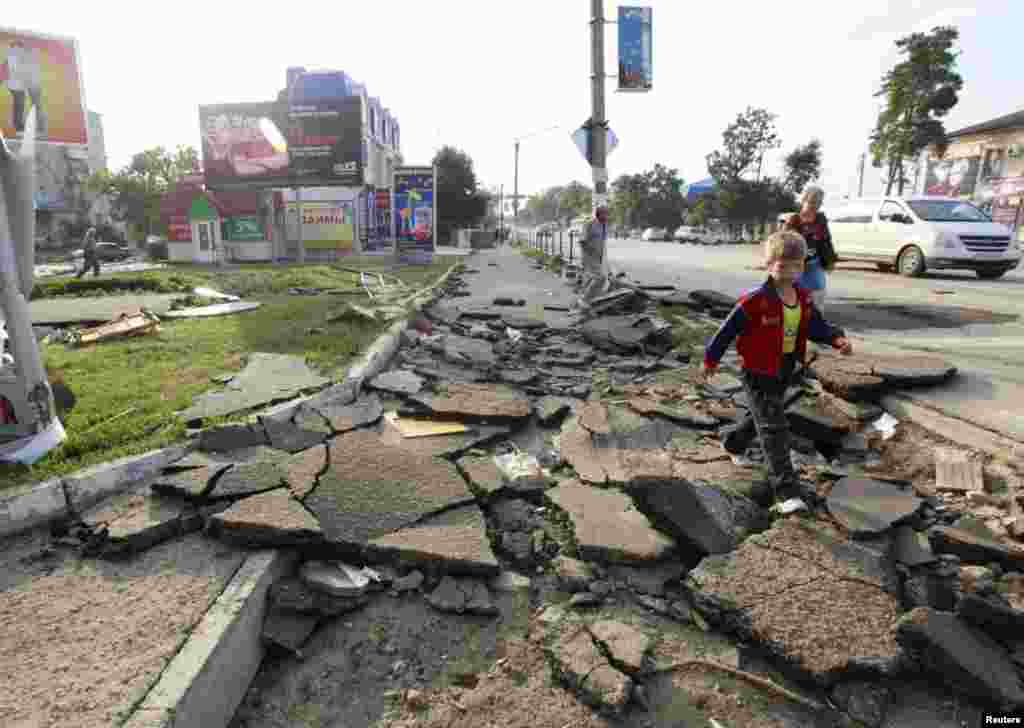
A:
[409,170]
[73,42]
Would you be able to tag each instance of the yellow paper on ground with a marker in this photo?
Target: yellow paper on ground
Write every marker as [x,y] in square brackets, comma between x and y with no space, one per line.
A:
[417,427]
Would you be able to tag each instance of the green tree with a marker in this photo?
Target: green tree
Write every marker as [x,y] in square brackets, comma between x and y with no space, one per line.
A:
[575,200]
[543,206]
[747,201]
[460,202]
[801,166]
[664,206]
[918,91]
[136,190]
[744,144]
[628,196]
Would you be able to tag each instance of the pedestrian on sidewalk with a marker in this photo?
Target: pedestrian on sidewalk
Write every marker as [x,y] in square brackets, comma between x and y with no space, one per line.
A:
[771,325]
[592,255]
[91,259]
[812,224]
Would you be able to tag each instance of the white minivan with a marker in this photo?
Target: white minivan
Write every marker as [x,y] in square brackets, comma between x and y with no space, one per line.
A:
[913,234]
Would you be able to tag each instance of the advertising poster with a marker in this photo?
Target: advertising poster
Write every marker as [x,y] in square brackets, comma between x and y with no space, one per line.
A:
[378,234]
[413,214]
[636,70]
[325,225]
[41,72]
[243,228]
[325,142]
[952,177]
[179,230]
[244,145]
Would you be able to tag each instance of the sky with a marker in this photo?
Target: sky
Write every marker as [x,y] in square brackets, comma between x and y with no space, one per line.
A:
[477,74]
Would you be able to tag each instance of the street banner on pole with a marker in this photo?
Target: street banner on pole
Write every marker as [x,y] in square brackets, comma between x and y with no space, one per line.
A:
[636,71]
[414,210]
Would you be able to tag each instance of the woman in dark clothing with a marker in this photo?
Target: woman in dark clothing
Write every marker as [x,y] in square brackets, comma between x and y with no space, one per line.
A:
[812,224]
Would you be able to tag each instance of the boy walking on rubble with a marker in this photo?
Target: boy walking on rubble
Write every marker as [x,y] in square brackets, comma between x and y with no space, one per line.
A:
[771,325]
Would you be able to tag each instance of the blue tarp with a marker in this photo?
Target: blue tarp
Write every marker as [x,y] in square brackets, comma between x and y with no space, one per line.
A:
[696,189]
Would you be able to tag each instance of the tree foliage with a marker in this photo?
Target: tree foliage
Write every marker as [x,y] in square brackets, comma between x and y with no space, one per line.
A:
[918,91]
[460,202]
[649,199]
[136,190]
[575,200]
[744,144]
[761,200]
[801,166]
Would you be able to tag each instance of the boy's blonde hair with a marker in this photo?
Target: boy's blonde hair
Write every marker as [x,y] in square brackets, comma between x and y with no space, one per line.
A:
[785,245]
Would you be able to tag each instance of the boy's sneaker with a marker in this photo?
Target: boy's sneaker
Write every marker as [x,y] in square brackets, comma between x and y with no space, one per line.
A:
[790,505]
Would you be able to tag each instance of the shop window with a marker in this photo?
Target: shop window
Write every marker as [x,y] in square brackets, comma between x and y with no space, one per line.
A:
[995,164]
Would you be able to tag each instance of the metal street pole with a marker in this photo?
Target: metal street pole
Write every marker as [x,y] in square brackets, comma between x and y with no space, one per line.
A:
[598,136]
[298,210]
[515,193]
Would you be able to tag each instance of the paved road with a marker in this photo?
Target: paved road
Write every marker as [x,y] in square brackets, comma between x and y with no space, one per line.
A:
[975,324]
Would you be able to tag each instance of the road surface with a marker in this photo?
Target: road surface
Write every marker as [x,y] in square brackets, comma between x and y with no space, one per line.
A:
[973,323]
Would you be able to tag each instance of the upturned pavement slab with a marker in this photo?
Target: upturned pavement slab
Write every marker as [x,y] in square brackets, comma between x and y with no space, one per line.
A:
[269,519]
[792,590]
[265,379]
[371,488]
[75,310]
[608,526]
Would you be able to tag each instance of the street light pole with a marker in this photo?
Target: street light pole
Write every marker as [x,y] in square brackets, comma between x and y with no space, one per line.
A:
[515,193]
[598,136]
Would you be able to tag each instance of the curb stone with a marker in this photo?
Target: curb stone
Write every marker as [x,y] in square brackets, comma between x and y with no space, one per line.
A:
[203,685]
[57,498]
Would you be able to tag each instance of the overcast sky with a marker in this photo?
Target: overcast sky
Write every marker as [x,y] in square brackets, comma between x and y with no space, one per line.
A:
[478,73]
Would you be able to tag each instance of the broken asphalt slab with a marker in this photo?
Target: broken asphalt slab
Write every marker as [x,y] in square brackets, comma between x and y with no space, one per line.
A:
[864,507]
[627,334]
[477,401]
[795,591]
[269,519]
[371,488]
[266,378]
[864,376]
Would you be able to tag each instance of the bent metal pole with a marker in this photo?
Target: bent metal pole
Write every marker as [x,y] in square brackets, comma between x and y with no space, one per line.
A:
[17,242]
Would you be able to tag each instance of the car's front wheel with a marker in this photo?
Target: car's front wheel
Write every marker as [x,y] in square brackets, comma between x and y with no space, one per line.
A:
[911,262]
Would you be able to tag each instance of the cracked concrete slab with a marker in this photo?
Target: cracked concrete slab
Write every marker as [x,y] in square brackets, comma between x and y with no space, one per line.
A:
[364,411]
[266,378]
[400,382]
[482,474]
[269,519]
[462,596]
[465,351]
[625,644]
[975,549]
[626,334]
[291,595]
[247,479]
[289,437]
[456,539]
[227,438]
[608,527]
[481,401]
[788,590]
[302,469]
[193,484]
[583,667]
[863,506]
[446,446]
[371,489]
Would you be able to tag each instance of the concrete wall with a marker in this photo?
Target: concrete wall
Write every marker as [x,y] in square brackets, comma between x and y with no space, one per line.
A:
[180,252]
[249,251]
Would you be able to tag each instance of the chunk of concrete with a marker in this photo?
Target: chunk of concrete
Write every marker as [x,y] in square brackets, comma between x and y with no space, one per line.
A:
[795,592]
[482,474]
[627,334]
[289,437]
[371,489]
[552,410]
[334,578]
[292,596]
[911,548]
[462,596]
[582,665]
[226,438]
[247,479]
[965,659]
[343,418]
[269,519]
[302,469]
[999,621]
[957,471]
[479,401]
[469,352]
[574,575]
[812,422]
[625,644]
[974,549]
[863,506]
[400,381]
[193,484]
[456,540]
[608,526]
[289,631]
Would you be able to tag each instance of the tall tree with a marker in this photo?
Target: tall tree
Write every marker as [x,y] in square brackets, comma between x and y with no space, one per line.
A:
[460,202]
[744,144]
[136,190]
[628,198]
[918,91]
[665,206]
[801,166]
[575,200]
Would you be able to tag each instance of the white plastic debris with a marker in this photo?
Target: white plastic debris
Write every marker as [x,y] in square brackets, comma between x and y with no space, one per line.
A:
[28,450]
[514,334]
[886,424]
[515,465]
[210,293]
[791,505]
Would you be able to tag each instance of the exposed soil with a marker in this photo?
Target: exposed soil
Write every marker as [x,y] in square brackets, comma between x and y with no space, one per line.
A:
[82,640]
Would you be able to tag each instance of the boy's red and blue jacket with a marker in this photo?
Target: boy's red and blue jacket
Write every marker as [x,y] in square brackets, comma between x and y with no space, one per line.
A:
[756,323]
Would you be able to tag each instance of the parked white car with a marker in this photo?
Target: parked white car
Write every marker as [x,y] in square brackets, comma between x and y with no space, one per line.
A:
[654,234]
[685,234]
[914,234]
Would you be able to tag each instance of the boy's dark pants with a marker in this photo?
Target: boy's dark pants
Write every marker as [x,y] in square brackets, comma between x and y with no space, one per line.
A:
[767,420]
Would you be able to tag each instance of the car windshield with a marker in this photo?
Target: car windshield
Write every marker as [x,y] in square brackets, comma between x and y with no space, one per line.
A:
[948,211]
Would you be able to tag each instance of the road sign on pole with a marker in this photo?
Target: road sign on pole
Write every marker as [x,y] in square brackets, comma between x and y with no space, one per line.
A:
[581,137]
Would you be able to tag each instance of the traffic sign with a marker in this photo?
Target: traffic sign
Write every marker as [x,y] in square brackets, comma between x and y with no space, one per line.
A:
[581,137]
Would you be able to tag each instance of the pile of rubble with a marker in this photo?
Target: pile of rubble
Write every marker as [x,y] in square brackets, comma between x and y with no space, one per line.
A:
[509,441]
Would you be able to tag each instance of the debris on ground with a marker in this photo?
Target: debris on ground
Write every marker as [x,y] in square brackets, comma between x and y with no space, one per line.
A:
[127,325]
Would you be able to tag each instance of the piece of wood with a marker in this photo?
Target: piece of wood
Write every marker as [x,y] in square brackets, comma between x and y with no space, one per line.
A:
[957,471]
[755,680]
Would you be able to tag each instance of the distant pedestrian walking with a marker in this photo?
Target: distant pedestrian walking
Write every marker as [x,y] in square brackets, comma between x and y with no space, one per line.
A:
[91,259]
[592,255]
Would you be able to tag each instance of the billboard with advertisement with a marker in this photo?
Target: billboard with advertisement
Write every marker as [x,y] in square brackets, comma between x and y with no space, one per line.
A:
[179,230]
[42,72]
[325,225]
[378,229]
[325,141]
[636,68]
[414,212]
[952,177]
[244,145]
[244,228]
